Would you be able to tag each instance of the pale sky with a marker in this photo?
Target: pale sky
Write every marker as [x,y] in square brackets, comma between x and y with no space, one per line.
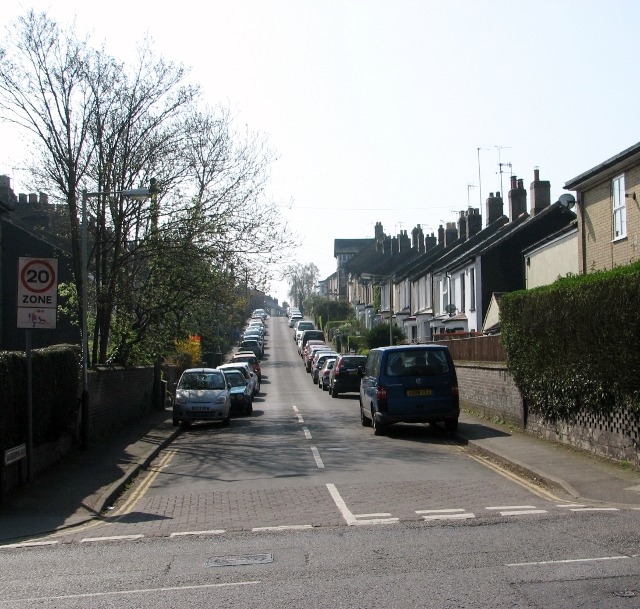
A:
[377,108]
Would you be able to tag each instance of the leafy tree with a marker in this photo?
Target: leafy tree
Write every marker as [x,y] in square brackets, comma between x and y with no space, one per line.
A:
[378,336]
[302,281]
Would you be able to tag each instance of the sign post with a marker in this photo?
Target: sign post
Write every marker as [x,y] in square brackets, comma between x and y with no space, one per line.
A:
[37,308]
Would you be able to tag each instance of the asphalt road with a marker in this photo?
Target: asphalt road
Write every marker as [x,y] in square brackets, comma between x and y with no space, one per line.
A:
[299,505]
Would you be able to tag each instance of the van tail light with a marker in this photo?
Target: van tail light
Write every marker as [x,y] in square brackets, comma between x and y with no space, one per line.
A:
[455,397]
[381,395]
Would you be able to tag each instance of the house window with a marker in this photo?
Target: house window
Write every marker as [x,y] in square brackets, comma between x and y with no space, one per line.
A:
[462,294]
[472,289]
[619,208]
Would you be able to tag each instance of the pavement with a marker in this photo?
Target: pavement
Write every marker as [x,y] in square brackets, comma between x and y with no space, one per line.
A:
[84,484]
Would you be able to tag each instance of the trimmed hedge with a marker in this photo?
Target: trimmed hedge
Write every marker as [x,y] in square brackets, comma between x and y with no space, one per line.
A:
[574,345]
[55,380]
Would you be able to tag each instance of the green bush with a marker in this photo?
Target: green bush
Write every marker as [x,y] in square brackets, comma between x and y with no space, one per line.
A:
[355,343]
[378,336]
[573,345]
[55,395]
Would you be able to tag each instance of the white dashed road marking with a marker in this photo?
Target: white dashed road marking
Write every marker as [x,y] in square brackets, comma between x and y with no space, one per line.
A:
[307,433]
[283,527]
[295,409]
[555,562]
[300,419]
[594,509]
[316,456]
[522,512]
[447,514]
[185,533]
[29,544]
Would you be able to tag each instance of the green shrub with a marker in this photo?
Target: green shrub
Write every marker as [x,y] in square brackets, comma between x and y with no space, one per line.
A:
[55,395]
[573,345]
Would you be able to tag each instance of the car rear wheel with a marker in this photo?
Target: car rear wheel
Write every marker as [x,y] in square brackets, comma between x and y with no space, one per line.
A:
[378,428]
[451,426]
[334,393]
[365,422]
[227,420]
[249,408]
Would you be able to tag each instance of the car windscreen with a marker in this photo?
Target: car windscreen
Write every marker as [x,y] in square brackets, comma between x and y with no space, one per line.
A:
[241,369]
[249,343]
[202,380]
[417,362]
[235,378]
[245,358]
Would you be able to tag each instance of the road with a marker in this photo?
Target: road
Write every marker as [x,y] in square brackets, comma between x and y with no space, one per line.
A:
[299,505]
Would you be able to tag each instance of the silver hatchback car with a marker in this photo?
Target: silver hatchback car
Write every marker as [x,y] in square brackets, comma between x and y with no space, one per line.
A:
[202,394]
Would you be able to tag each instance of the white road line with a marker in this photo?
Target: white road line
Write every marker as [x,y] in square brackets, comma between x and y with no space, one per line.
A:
[307,433]
[570,505]
[283,527]
[556,562]
[124,592]
[295,408]
[512,507]
[300,419]
[350,518]
[211,532]
[29,544]
[522,512]
[449,511]
[594,509]
[450,516]
[112,538]
[316,456]
[381,514]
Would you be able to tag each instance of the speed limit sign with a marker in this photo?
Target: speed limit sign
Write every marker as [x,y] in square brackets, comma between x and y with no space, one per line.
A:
[37,292]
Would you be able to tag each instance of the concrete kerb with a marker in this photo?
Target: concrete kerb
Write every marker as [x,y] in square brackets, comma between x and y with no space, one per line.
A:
[522,468]
[115,490]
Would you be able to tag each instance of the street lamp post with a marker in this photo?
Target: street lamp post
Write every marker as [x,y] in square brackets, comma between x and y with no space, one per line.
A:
[135,193]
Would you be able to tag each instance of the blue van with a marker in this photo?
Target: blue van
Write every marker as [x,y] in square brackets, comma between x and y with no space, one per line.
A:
[409,384]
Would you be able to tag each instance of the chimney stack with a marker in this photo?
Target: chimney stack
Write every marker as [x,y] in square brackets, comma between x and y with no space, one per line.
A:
[494,208]
[474,222]
[414,236]
[462,226]
[379,237]
[440,234]
[450,233]
[22,197]
[404,243]
[33,198]
[430,241]
[540,193]
[517,199]
[44,198]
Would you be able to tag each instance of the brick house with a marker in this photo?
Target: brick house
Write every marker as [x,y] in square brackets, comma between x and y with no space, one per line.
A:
[608,198]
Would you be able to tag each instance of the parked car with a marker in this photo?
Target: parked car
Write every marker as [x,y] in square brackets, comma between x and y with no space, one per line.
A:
[294,318]
[259,313]
[311,335]
[251,359]
[310,343]
[308,362]
[344,377]
[300,327]
[409,384]
[252,345]
[247,372]
[318,361]
[240,391]
[323,375]
[202,394]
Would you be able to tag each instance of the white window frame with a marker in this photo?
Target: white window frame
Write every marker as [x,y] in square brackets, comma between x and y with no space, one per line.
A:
[619,205]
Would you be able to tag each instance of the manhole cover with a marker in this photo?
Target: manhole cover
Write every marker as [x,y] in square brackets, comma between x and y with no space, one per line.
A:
[234,561]
[624,593]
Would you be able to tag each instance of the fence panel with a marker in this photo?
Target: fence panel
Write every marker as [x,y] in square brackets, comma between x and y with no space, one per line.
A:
[476,349]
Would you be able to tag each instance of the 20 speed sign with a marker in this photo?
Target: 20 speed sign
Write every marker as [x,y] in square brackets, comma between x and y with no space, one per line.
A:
[38,282]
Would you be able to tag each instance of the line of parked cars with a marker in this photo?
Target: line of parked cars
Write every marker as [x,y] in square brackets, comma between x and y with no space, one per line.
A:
[398,384]
[213,394]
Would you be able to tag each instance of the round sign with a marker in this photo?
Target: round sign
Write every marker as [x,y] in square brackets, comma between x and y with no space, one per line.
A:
[38,276]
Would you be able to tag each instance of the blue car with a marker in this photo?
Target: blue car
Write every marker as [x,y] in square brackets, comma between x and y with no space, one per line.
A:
[409,384]
[241,392]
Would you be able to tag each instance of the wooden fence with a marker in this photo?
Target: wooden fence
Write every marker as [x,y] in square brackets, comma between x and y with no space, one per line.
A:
[476,349]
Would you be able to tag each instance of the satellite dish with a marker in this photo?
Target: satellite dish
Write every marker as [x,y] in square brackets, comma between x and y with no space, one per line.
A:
[567,200]
[451,309]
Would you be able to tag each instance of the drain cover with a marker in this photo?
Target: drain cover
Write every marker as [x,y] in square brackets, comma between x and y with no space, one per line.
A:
[234,561]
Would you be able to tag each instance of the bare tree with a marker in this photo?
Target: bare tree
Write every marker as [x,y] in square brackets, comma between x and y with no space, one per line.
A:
[302,281]
[44,89]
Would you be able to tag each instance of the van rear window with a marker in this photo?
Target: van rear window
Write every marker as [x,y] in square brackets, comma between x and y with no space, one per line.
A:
[417,362]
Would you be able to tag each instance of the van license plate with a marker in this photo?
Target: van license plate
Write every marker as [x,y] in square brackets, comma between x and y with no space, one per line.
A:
[414,392]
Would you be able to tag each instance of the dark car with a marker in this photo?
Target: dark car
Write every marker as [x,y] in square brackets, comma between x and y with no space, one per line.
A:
[308,335]
[240,390]
[409,384]
[344,377]
[252,345]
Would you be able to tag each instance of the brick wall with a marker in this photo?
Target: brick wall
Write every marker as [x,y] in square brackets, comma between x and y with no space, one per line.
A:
[488,389]
[117,395]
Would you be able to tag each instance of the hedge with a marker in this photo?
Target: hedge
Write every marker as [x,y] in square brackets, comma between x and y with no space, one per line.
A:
[573,345]
[55,382]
